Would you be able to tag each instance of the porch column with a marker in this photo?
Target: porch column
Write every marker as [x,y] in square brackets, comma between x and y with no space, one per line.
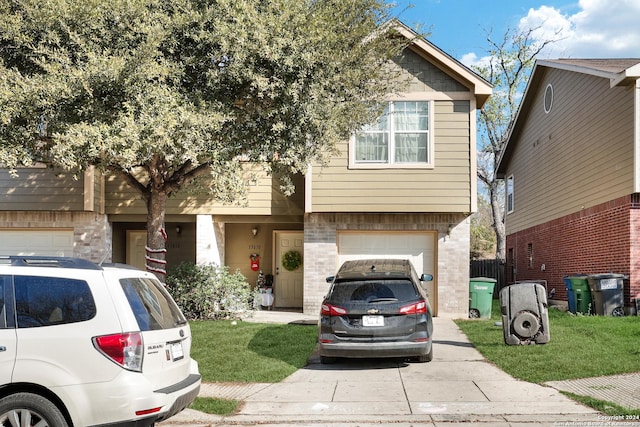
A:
[209,241]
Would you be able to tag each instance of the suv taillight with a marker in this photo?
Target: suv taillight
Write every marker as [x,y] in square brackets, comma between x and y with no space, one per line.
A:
[415,308]
[124,349]
[332,310]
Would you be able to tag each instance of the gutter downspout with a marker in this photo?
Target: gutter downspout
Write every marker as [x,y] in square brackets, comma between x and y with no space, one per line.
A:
[636,137]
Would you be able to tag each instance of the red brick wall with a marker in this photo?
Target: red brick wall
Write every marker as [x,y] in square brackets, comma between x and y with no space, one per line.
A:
[601,239]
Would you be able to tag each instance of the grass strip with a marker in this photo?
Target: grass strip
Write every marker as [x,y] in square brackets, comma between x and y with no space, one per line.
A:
[248,352]
[580,347]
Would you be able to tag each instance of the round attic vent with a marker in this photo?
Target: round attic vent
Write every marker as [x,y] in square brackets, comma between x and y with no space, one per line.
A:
[548,98]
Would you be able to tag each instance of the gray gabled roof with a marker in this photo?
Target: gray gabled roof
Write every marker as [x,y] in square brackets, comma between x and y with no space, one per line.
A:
[619,72]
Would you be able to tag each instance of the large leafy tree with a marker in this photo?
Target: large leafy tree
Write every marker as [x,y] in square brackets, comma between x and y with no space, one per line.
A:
[168,92]
[508,67]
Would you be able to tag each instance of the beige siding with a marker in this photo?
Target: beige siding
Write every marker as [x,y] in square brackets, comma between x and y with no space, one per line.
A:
[98,192]
[579,155]
[264,198]
[93,194]
[445,188]
[424,76]
[41,189]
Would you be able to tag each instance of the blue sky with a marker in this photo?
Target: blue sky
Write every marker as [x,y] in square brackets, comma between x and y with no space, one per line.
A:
[584,28]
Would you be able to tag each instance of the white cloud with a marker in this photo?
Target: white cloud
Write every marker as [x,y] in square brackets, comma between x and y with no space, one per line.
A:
[598,29]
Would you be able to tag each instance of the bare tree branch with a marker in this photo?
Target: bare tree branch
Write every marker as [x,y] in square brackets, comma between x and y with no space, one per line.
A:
[511,61]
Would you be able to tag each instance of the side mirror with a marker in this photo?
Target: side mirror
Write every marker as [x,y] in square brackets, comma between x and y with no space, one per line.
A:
[330,279]
[426,277]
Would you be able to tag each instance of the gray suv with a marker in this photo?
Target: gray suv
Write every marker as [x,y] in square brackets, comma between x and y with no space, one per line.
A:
[376,308]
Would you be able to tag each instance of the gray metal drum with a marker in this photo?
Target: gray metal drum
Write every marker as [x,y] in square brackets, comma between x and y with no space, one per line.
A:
[525,315]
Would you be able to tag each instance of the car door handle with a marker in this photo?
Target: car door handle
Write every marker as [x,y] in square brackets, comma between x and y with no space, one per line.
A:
[3,348]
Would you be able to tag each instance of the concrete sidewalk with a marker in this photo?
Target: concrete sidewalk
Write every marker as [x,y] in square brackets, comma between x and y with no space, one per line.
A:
[458,386]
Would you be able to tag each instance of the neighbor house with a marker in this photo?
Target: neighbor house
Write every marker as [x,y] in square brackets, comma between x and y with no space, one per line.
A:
[403,188]
[572,173]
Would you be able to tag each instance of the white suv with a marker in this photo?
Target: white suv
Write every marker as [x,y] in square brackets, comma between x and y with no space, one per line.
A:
[88,345]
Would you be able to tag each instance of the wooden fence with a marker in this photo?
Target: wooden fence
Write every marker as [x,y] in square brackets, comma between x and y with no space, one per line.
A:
[489,268]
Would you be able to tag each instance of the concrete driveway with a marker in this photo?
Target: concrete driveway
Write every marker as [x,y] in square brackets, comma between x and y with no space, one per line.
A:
[458,386]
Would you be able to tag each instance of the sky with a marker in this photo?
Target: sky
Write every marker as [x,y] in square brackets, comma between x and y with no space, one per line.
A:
[582,28]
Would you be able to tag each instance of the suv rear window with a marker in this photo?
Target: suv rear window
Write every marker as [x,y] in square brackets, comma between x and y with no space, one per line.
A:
[43,301]
[374,290]
[151,304]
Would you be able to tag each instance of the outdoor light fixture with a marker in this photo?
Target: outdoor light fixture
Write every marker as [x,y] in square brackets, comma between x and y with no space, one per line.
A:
[448,234]
[178,229]
[254,231]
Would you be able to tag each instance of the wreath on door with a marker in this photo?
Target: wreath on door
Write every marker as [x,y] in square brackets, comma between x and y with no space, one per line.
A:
[291,260]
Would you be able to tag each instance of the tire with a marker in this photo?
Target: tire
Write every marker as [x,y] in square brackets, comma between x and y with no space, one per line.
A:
[28,409]
[618,312]
[474,313]
[526,324]
[426,357]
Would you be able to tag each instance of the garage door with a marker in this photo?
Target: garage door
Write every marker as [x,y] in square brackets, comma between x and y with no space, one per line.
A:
[41,242]
[418,247]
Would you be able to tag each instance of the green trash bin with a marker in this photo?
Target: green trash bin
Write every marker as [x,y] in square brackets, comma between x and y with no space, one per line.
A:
[481,297]
[582,294]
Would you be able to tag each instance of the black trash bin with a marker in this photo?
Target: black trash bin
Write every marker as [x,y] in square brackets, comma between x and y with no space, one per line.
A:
[607,292]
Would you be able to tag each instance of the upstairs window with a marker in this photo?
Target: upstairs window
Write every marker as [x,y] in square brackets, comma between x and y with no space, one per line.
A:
[401,137]
[509,191]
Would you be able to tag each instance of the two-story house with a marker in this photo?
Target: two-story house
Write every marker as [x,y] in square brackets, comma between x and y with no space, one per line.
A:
[403,187]
[572,171]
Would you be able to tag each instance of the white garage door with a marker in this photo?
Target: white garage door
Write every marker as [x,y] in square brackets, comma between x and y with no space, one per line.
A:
[36,242]
[419,247]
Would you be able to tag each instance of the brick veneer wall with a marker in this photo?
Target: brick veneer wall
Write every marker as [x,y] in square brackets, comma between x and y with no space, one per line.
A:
[320,245]
[601,239]
[91,231]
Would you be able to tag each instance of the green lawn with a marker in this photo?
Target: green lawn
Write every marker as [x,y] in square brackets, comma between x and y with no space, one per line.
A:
[250,352]
[580,347]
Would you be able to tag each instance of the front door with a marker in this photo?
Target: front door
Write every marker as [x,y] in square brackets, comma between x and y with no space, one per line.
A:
[288,284]
[136,242]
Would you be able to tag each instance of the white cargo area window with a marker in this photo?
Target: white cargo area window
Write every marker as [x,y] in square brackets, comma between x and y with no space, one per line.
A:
[151,304]
[401,137]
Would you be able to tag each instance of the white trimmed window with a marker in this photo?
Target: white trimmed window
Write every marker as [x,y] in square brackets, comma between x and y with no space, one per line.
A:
[509,191]
[401,137]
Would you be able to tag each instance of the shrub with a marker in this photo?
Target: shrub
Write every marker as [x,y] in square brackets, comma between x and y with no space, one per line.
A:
[209,292]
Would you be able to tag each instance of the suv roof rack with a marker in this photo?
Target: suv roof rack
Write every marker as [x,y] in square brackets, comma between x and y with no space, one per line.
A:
[120,265]
[48,261]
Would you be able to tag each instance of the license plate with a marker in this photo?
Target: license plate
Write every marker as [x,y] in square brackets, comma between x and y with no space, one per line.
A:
[176,350]
[372,320]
